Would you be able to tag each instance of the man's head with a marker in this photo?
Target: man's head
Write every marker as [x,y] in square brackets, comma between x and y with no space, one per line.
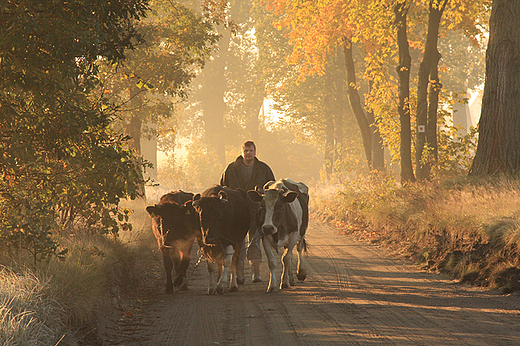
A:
[248,152]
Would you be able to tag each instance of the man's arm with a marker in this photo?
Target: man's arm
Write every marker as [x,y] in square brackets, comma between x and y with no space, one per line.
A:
[223,178]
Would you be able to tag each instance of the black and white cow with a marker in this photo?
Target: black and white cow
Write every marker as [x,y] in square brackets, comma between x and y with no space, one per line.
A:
[283,218]
[175,225]
[225,218]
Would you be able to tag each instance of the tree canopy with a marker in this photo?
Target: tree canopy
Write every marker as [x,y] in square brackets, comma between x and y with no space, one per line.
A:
[63,163]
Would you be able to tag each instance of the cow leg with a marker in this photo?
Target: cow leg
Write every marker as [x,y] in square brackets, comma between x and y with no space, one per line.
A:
[233,285]
[287,273]
[271,260]
[182,268]
[212,272]
[287,278]
[301,273]
[168,268]
[228,259]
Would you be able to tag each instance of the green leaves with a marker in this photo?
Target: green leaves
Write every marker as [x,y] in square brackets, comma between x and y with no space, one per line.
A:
[62,166]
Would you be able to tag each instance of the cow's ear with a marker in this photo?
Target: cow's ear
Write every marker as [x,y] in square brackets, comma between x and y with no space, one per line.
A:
[151,210]
[290,196]
[254,195]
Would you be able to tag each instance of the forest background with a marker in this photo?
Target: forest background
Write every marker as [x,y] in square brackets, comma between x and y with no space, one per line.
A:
[371,103]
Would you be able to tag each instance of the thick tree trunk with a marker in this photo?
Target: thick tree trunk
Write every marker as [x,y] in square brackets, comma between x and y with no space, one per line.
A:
[403,73]
[433,103]
[498,149]
[428,64]
[355,103]
[134,130]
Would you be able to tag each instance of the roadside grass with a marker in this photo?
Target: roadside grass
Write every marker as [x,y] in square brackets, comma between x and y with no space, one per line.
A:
[56,302]
[467,228]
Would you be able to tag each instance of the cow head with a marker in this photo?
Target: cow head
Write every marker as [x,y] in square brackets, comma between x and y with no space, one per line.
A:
[211,213]
[273,200]
[169,222]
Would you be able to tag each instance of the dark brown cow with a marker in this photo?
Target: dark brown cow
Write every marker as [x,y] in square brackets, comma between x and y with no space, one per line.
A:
[224,218]
[176,225]
[283,219]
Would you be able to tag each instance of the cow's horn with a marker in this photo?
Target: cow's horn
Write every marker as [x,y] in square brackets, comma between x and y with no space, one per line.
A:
[269,183]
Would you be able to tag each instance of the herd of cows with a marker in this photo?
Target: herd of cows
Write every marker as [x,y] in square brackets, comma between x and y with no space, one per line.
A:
[219,219]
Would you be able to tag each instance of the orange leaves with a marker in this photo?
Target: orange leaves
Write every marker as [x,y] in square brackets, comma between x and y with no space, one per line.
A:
[315,28]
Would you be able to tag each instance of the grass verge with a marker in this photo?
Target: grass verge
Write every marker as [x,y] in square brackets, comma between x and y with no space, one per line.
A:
[467,228]
[57,302]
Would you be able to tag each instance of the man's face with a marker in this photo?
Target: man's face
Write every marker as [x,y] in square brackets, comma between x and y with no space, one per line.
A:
[248,153]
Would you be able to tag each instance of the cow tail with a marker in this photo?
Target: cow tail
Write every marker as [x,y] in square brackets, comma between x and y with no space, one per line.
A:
[302,245]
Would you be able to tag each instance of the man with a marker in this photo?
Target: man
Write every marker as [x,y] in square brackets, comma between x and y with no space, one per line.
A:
[246,172]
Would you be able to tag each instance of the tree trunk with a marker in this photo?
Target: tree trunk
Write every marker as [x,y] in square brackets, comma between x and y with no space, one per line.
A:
[328,161]
[355,103]
[329,115]
[403,73]
[134,130]
[252,121]
[213,104]
[433,102]
[430,59]
[378,150]
[498,149]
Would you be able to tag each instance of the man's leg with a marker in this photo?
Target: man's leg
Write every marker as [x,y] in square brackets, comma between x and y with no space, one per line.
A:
[240,264]
[254,255]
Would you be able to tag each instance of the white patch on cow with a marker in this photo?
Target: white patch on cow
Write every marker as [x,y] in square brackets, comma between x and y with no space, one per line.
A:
[224,282]
[270,198]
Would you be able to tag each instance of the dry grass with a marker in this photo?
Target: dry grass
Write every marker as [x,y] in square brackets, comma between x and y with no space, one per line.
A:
[55,303]
[467,228]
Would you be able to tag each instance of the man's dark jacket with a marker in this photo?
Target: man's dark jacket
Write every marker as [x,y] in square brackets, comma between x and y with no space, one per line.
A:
[232,176]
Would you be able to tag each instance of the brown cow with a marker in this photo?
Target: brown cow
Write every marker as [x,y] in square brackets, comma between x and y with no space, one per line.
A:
[176,225]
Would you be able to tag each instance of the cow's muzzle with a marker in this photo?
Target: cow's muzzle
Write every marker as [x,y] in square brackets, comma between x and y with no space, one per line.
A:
[268,230]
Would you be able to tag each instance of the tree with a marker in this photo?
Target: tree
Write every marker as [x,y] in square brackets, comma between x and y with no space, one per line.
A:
[499,126]
[428,89]
[156,75]
[403,73]
[60,160]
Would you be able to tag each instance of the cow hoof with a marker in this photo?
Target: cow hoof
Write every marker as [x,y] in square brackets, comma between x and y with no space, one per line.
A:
[287,285]
[212,291]
[302,275]
[169,290]
[271,290]
[183,288]
[233,289]
[178,281]
[220,290]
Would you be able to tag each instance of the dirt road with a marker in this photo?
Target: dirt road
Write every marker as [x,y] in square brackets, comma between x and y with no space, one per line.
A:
[355,294]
